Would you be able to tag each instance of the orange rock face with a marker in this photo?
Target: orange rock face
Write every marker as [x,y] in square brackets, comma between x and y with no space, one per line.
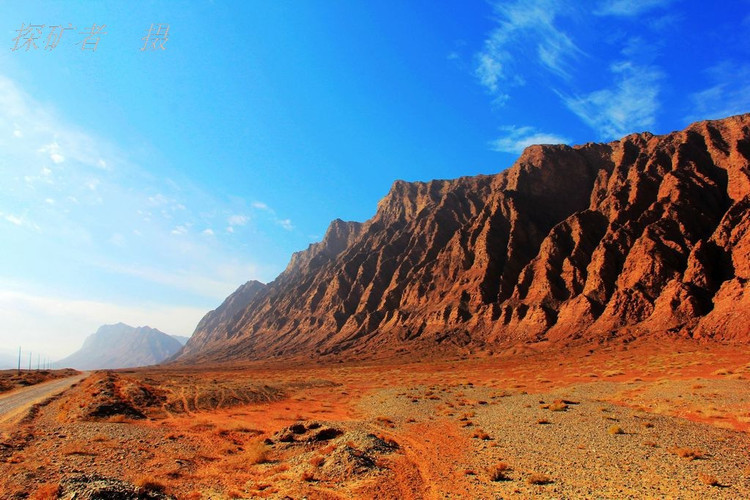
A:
[645,235]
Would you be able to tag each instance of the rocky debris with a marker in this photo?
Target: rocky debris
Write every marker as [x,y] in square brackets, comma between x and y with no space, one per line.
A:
[311,432]
[94,487]
[644,235]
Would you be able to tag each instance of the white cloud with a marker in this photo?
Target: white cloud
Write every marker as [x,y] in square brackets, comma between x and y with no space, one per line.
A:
[628,106]
[17,133]
[630,8]
[237,220]
[525,27]
[260,205]
[14,219]
[516,139]
[208,232]
[728,93]
[179,230]
[285,223]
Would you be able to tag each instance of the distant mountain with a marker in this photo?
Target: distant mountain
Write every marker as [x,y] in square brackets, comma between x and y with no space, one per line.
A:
[122,346]
[181,339]
[646,235]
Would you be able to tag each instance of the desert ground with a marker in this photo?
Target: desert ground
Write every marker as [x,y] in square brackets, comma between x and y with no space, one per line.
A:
[645,419]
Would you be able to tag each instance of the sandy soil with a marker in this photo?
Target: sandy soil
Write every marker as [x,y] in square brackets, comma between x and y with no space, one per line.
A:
[623,421]
[11,379]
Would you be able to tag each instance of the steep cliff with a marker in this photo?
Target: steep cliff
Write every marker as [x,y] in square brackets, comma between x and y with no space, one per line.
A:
[644,235]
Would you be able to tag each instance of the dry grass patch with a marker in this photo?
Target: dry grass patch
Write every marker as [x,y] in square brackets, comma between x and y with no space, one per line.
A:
[150,483]
[480,434]
[539,479]
[615,429]
[708,479]
[499,472]
[688,453]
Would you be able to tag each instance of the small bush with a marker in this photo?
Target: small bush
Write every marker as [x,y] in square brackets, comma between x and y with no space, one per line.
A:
[688,453]
[257,453]
[538,479]
[615,429]
[149,483]
[480,434]
[499,472]
[317,461]
[708,479]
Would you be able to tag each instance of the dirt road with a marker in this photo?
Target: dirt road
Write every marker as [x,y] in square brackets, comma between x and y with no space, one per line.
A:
[11,404]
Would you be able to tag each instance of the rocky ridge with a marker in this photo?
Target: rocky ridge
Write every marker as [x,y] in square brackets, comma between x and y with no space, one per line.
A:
[644,235]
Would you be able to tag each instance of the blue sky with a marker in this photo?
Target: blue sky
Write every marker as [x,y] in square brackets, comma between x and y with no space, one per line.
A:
[145,186]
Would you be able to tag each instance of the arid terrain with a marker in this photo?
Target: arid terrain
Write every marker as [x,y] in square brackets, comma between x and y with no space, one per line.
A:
[12,379]
[637,420]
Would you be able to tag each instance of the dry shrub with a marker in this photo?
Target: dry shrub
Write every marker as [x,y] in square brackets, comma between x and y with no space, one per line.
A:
[317,461]
[558,405]
[499,472]
[235,494]
[543,421]
[256,452]
[308,476]
[708,479]
[480,434]
[615,429]
[648,425]
[688,453]
[193,495]
[650,444]
[538,479]
[150,483]
[722,371]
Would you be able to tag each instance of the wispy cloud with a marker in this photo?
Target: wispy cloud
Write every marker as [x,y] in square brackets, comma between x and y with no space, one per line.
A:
[630,8]
[516,139]
[728,93]
[525,27]
[75,204]
[630,105]
[238,220]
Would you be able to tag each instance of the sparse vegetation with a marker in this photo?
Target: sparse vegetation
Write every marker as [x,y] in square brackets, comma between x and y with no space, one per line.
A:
[539,479]
[708,479]
[688,453]
[615,429]
[499,472]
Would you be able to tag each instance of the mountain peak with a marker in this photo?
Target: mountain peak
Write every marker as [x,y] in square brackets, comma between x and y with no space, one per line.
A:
[646,235]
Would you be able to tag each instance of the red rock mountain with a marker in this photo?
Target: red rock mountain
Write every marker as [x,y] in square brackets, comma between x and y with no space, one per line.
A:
[644,235]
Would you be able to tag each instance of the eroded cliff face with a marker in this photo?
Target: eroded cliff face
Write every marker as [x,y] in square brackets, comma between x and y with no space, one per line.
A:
[645,235]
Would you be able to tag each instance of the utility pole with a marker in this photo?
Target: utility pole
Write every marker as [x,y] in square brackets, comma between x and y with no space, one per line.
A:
[19,359]
[29,361]
[38,360]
